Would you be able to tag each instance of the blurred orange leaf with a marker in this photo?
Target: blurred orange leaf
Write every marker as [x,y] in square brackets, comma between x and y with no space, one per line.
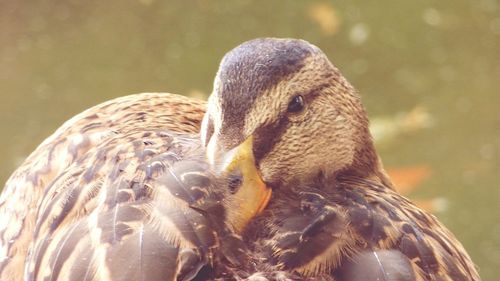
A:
[406,179]
[325,16]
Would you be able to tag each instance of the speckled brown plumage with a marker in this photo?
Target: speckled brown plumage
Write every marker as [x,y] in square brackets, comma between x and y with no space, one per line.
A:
[126,221]
[101,159]
[356,230]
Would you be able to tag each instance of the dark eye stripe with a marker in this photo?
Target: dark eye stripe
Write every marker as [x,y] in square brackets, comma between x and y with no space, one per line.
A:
[266,137]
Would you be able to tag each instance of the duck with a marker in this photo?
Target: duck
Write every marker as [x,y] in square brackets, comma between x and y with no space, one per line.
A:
[122,191]
[286,126]
[334,212]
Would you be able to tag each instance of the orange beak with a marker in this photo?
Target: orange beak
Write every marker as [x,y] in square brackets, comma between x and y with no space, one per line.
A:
[253,195]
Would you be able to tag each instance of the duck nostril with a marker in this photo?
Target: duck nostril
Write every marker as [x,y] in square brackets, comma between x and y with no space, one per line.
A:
[234,182]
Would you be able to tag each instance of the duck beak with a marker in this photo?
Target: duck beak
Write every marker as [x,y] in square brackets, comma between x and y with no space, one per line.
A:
[253,195]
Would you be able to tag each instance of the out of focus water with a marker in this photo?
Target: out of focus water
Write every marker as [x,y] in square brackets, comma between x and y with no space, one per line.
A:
[60,57]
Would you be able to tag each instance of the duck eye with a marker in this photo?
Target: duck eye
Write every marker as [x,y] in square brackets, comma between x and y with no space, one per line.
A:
[296,104]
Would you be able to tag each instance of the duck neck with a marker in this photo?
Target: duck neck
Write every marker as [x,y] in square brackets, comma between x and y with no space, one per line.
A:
[367,164]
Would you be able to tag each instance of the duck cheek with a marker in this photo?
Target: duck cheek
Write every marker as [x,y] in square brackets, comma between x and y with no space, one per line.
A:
[277,172]
[269,171]
[273,171]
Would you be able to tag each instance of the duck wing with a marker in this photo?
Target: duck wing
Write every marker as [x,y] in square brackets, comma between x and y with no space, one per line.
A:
[91,173]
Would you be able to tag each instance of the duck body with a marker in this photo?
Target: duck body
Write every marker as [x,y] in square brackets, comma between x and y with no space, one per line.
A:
[106,198]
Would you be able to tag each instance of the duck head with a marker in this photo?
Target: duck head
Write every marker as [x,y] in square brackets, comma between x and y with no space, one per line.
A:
[283,103]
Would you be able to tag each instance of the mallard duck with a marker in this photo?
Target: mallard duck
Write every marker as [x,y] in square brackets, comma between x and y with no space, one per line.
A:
[122,192]
[334,213]
[284,115]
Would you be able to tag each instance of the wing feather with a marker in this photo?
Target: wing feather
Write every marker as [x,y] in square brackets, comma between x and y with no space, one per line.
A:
[85,195]
[356,230]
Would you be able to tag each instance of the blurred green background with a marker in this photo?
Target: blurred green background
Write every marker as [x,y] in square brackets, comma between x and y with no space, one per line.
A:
[427,70]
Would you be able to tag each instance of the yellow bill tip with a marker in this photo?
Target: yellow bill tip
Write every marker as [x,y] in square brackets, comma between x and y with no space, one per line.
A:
[253,195]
